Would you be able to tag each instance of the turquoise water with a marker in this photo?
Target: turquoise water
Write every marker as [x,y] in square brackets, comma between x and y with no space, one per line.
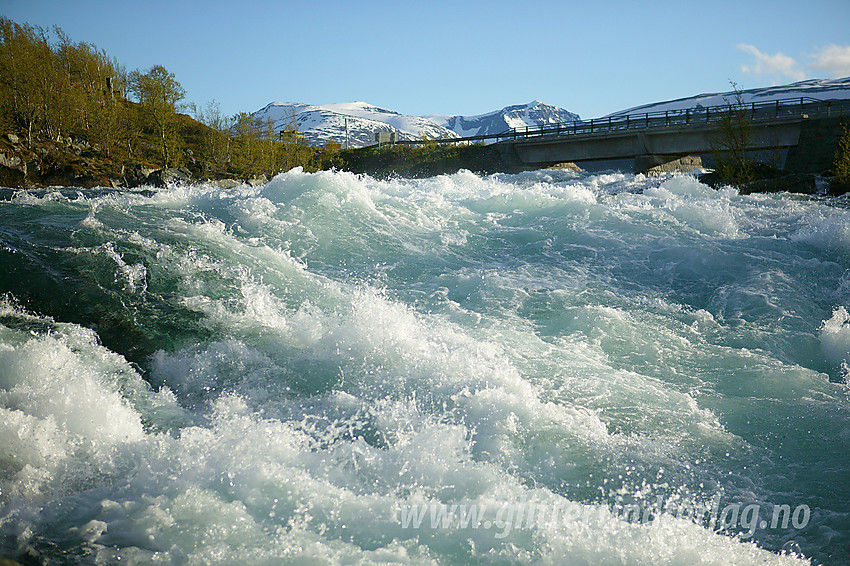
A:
[289,373]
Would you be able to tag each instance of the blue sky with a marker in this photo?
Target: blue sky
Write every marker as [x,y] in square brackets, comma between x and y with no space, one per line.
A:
[457,57]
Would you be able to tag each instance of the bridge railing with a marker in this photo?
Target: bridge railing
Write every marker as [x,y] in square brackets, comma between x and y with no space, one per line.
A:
[774,111]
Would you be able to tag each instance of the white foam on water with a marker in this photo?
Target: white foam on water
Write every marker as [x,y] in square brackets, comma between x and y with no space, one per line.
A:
[829,231]
[382,344]
[304,483]
[67,411]
[263,489]
[835,337]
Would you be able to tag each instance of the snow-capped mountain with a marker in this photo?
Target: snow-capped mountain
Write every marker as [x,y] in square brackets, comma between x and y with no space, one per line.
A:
[534,113]
[320,123]
[822,89]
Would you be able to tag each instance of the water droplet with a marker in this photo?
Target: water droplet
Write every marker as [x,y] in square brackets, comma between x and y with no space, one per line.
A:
[792,548]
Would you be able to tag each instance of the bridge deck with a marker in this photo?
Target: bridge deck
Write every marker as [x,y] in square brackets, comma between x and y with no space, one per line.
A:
[772,125]
[674,121]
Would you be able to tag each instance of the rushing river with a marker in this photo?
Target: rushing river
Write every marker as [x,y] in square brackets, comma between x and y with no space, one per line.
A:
[544,368]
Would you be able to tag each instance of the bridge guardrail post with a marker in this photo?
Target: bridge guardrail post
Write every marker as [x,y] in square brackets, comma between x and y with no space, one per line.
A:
[788,109]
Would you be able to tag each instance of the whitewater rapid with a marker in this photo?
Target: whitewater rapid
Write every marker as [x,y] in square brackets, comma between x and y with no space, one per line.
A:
[288,373]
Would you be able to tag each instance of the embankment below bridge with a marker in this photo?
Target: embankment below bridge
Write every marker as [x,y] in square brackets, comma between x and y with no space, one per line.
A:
[812,158]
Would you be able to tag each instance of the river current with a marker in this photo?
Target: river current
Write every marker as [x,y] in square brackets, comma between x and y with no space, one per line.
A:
[545,368]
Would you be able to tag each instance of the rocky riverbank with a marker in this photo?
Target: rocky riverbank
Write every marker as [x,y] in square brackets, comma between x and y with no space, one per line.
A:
[69,162]
[779,182]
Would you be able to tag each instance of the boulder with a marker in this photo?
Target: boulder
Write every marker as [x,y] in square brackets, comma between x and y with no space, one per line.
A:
[838,186]
[136,175]
[169,176]
[225,183]
[11,176]
[14,165]
[256,181]
[565,166]
[801,183]
[661,165]
[13,162]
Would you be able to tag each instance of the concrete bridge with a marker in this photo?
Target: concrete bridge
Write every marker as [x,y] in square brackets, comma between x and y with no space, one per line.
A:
[651,140]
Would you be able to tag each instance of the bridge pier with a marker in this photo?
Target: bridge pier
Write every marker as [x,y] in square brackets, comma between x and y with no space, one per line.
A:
[670,142]
[654,164]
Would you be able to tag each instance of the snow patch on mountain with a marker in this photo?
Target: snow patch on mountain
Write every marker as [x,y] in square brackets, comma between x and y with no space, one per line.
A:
[321,123]
[821,89]
[532,114]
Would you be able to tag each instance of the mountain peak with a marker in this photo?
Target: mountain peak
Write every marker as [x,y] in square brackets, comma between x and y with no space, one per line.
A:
[358,122]
[534,113]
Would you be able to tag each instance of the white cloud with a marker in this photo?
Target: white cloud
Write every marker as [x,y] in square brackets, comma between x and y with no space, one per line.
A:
[834,59]
[773,65]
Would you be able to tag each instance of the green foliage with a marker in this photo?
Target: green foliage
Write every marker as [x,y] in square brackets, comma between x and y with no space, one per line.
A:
[159,94]
[53,87]
[729,148]
[841,165]
[257,149]
[214,141]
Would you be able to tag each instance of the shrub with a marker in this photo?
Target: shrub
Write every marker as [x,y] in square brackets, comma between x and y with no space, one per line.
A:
[729,147]
[841,165]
